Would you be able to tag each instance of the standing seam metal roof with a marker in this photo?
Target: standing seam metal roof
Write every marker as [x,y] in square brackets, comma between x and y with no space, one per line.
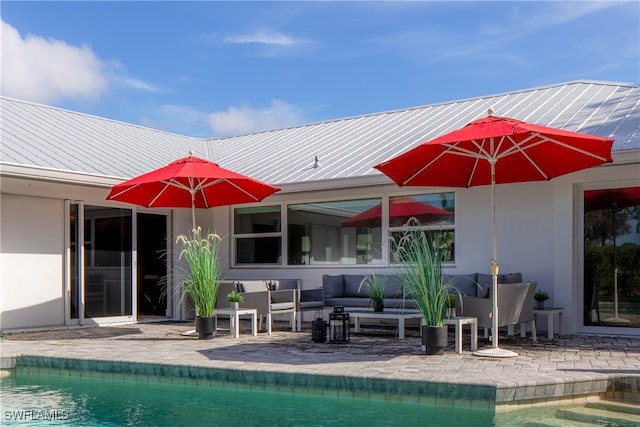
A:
[48,137]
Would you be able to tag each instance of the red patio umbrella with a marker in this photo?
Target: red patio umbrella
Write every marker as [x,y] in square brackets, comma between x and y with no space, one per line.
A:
[400,210]
[191,182]
[495,150]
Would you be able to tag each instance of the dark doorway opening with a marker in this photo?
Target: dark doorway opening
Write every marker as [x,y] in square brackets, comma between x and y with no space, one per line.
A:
[152,264]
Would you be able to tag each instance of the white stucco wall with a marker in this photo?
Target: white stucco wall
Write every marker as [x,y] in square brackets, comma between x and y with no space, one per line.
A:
[538,234]
[31,261]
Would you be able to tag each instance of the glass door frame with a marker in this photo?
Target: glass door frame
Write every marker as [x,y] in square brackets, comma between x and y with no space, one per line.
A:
[580,265]
[80,258]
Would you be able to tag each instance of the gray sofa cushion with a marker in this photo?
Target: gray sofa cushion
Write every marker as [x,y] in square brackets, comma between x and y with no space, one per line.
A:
[466,284]
[392,287]
[333,286]
[348,302]
[351,285]
[484,279]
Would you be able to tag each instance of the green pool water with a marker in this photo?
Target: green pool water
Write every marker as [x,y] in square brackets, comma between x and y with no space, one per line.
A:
[68,398]
[29,399]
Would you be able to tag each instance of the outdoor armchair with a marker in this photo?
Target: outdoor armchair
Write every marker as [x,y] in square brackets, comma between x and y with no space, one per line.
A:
[515,306]
[257,294]
[306,299]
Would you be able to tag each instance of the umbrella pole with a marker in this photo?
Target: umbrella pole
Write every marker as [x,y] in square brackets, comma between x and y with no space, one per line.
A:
[494,351]
[193,208]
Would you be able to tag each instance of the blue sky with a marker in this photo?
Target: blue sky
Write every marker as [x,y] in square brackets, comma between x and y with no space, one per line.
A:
[211,69]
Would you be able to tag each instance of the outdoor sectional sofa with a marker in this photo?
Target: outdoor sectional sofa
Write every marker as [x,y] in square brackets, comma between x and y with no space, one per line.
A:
[515,297]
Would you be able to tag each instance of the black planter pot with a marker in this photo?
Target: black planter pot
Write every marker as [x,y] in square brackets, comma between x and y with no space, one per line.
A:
[434,338]
[378,306]
[206,327]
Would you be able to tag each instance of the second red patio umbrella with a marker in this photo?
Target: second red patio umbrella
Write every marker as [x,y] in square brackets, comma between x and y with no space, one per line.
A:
[191,182]
[495,150]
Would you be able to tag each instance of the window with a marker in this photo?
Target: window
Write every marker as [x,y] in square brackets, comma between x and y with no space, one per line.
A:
[257,234]
[432,213]
[340,232]
[337,232]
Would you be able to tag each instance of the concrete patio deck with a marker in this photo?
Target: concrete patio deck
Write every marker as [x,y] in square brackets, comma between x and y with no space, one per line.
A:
[568,369]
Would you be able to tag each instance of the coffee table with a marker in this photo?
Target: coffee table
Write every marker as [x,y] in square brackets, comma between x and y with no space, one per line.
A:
[399,315]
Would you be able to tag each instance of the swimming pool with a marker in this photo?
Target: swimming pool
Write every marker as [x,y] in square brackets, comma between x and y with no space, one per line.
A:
[59,397]
[72,399]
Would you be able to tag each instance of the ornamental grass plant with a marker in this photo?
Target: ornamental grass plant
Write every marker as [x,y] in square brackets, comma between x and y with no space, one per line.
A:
[201,279]
[374,283]
[421,273]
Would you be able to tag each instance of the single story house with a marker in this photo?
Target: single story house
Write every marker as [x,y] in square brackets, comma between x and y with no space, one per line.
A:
[69,257]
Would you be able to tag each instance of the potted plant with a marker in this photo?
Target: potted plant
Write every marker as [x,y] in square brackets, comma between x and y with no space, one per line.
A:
[235,299]
[375,284]
[450,303]
[540,296]
[421,276]
[201,279]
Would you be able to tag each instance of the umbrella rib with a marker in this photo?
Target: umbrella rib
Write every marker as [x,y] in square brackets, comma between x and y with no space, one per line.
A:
[205,184]
[168,184]
[119,193]
[451,149]
[517,148]
[423,168]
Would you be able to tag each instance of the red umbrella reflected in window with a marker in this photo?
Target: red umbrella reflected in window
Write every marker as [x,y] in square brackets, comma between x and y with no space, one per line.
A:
[401,209]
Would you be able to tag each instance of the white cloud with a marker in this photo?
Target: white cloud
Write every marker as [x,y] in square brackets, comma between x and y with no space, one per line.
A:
[46,70]
[265,38]
[244,119]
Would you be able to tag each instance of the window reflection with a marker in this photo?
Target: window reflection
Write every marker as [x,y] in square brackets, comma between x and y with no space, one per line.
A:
[331,233]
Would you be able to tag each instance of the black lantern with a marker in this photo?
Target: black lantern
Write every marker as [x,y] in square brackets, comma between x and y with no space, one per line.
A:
[339,325]
[319,330]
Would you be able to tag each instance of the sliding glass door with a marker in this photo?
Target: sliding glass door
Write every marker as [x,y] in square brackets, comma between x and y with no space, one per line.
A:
[612,257]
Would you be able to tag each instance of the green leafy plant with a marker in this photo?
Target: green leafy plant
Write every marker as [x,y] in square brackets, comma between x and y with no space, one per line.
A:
[421,274]
[201,280]
[375,284]
[451,301]
[541,295]
[234,296]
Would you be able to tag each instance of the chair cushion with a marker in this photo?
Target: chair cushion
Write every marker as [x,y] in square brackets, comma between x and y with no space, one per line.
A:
[333,286]
[252,286]
[352,283]
[308,305]
[279,306]
[510,278]
[285,284]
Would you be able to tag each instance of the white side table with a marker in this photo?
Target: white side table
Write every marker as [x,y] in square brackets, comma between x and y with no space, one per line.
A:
[550,312]
[459,322]
[234,319]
